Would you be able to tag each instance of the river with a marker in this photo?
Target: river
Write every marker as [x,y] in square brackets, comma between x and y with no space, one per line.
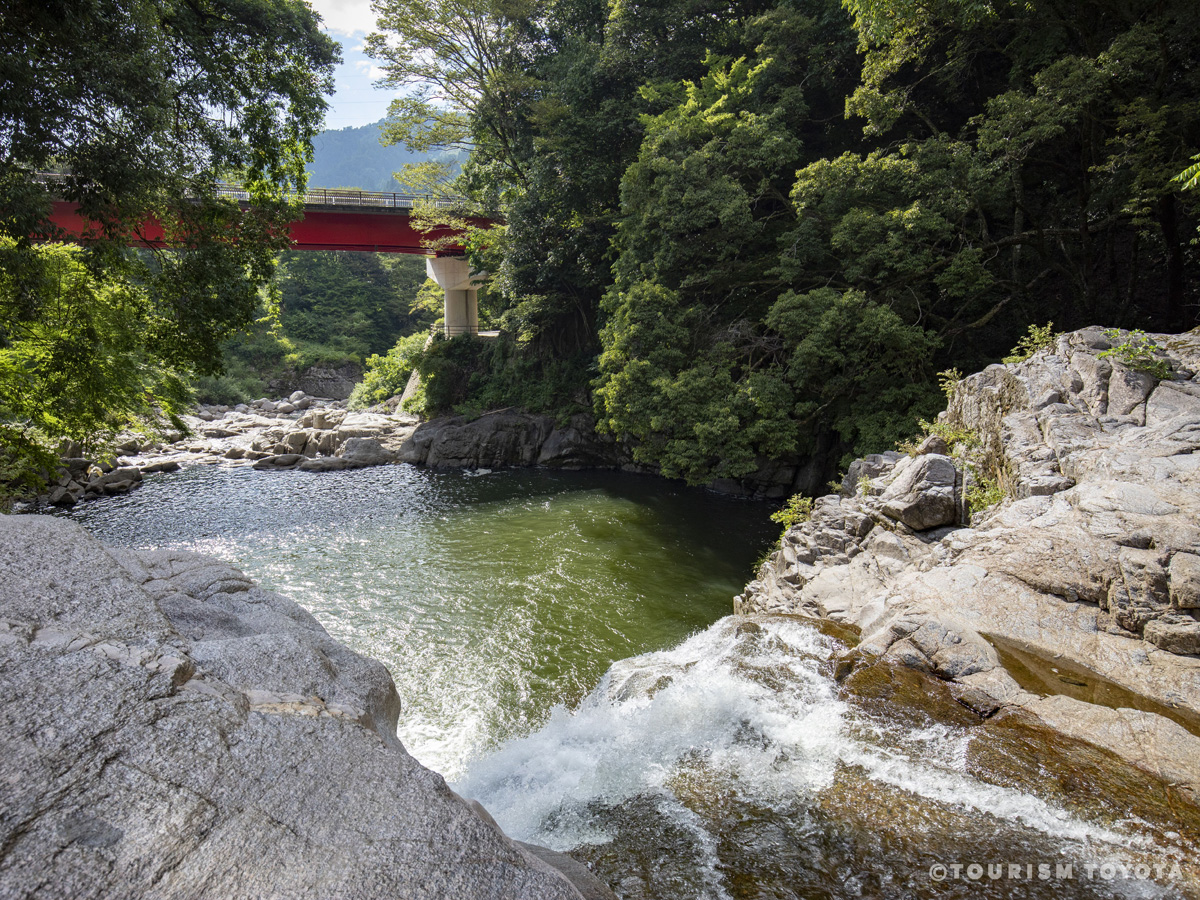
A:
[561,645]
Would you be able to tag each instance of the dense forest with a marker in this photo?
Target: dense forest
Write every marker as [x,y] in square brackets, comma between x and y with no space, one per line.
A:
[144,107]
[334,308]
[745,229]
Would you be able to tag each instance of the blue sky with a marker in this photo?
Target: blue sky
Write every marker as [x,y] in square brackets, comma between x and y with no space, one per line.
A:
[357,101]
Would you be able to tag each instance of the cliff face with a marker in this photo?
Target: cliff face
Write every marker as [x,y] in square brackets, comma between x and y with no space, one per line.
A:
[1090,564]
[172,730]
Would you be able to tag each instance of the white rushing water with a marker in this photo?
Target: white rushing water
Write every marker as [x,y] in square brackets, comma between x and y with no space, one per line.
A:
[751,713]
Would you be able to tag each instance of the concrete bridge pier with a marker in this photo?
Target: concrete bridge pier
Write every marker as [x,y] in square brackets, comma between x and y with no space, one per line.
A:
[453,275]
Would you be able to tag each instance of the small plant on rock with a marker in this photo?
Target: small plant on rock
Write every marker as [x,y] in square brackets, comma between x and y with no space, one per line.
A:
[959,440]
[948,380]
[1136,350]
[983,493]
[1035,339]
[797,509]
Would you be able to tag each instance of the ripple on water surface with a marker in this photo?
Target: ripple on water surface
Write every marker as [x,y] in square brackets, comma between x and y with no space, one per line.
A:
[490,597]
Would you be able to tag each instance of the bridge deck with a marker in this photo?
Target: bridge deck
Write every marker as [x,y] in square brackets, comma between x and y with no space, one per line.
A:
[334,219]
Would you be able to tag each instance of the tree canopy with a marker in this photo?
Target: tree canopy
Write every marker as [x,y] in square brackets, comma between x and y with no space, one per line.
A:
[763,226]
[143,106]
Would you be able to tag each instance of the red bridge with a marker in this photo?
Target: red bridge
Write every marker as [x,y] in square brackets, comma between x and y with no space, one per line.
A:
[333,220]
[352,220]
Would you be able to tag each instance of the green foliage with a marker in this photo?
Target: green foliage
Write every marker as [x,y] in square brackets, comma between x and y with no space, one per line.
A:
[27,458]
[386,376]
[452,59]
[984,492]
[961,441]
[336,308]
[857,367]
[475,374]
[759,277]
[797,509]
[227,389]
[145,105]
[83,369]
[1137,350]
[355,304]
[1037,338]
[1189,178]
[948,381]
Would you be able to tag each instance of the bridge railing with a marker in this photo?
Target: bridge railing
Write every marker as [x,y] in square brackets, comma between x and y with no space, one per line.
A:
[315,197]
[342,197]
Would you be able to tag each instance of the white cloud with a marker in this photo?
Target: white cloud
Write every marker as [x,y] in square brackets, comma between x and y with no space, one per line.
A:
[346,17]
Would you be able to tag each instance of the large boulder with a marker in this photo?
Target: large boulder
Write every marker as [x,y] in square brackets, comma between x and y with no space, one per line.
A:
[922,494]
[366,452]
[503,438]
[334,382]
[170,730]
[577,446]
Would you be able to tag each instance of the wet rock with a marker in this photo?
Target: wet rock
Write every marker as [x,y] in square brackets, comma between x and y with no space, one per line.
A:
[494,439]
[577,446]
[115,481]
[61,496]
[279,461]
[328,464]
[589,886]
[1151,742]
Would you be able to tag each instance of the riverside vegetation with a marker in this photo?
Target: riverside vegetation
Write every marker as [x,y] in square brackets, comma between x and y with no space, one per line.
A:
[802,212]
[801,215]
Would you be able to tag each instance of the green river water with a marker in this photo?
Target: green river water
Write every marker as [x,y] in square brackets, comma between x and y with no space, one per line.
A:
[491,598]
[564,652]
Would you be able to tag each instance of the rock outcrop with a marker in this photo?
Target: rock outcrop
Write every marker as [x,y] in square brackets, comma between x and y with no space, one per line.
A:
[510,438]
[329,438]
[322,381]
[172,730]
[1093,558]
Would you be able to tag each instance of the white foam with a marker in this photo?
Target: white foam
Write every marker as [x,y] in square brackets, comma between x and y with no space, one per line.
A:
[623,742]
[755,708]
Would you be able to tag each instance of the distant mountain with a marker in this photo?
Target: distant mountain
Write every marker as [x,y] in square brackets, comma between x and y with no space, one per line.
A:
[354,158]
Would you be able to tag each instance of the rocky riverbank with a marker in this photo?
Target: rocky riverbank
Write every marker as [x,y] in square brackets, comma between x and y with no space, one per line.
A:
[173,730]
[1076,598]
[320,435]
[312,434]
